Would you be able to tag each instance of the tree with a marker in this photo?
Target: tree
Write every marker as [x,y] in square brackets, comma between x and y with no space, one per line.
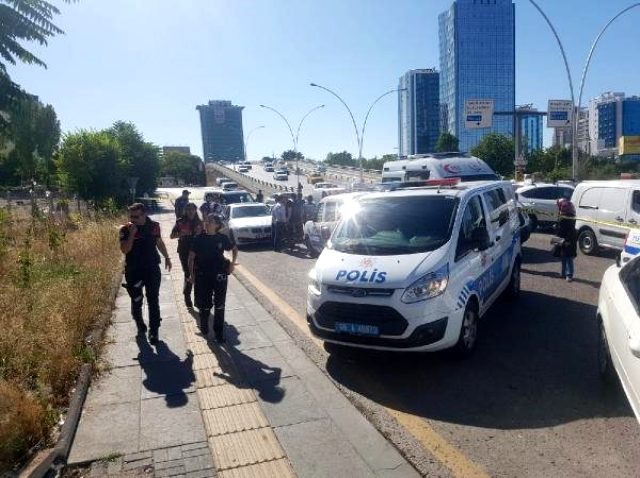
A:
[497,150]
[340,159]
[183,166]
[266,159]
[291,155]
[138,158]
[447,143]
[88,164]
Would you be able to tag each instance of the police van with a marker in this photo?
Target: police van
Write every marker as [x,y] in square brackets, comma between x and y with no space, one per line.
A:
[438,166]
[415,269]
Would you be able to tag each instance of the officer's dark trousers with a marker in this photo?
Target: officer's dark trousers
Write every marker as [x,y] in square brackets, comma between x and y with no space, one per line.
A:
[279,229]
[187,287]
[211,292]
[149,279]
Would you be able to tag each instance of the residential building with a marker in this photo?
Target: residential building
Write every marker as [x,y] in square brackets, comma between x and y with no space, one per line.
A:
[176,149]
[418,112]
[562,137]
[222,135]
[477,61]
[584,143]
[605,123]
[631,116]
[530,129]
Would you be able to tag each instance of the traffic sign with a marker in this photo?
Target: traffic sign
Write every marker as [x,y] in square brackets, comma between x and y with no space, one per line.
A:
[559,113]
[478,114]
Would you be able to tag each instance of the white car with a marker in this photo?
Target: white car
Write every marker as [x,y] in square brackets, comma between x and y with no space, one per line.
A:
[229,186]
[243,169]
[249,223]
[416,269]
[280,175]
[541,202]
[324,186]
[619,329]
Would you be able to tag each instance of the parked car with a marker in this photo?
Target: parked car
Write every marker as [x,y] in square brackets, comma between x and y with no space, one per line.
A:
[314,178]
[619,329]
[605,212]
[329,211]
[236,196]
[249,223]
[280,175]
[243,169]
[229,186]
[221,179]
[268,167]
[525,223]
[541,202]
[319,194]
[324,185]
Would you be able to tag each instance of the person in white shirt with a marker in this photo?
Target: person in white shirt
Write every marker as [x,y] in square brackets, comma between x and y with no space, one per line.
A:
[279,220]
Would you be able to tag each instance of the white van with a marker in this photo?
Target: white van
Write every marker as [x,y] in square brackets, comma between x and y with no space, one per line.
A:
[415,269]
[438,166]
[605,213]
[321,193]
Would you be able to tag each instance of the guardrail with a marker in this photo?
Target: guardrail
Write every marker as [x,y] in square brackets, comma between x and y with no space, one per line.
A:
[246,181]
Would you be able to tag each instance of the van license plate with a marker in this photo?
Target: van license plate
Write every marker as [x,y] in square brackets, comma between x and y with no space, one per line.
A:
[357,329]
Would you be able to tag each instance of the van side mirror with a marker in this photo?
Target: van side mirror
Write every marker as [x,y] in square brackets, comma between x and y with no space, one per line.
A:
[480,239]
[634,346]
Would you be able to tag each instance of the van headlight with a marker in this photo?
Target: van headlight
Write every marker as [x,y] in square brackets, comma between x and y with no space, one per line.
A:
[315,286]
[427,287]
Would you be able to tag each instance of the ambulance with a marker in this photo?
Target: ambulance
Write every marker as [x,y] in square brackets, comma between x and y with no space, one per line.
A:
[437,166]
[416,269]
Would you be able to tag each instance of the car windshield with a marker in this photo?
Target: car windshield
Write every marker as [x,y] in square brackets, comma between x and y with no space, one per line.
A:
[396,225]
[237,197]
[250,211]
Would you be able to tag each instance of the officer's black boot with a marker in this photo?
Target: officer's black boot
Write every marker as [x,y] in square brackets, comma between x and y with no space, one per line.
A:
[153,336]
[218,325]
[142,327]
[186,290]
[204,321]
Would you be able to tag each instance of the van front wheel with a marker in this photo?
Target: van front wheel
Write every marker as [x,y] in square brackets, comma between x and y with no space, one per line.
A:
[587,242]
[468,332]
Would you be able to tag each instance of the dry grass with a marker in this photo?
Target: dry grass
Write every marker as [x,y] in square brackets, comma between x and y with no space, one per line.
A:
[55,279]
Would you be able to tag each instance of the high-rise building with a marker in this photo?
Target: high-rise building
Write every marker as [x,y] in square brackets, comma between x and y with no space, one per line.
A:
[631,116]
[418,112]
[530,129]
[222,136]
[563,135]
[477,61]
[605,123]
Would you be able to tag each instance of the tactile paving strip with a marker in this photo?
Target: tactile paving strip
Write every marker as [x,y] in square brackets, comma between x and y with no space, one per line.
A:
[245,448]
[270,469]
[237,418]
[224,396]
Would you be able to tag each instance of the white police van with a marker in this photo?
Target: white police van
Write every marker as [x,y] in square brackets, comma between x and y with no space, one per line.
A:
[415,269]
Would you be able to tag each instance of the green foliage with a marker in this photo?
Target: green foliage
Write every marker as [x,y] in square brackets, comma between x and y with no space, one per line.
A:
[291,155]
[185,167]
[498,151]
[266,159]
[340,159]
[447,143]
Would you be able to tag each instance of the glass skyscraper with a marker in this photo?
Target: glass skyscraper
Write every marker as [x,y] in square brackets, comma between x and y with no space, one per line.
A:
[418,112]
[221,127]
[477,61]
[530,130]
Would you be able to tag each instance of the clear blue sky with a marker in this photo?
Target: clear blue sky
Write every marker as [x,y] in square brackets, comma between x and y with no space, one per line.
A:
[153,61]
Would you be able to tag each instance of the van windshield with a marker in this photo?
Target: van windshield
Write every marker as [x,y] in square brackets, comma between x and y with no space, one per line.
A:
[396,225]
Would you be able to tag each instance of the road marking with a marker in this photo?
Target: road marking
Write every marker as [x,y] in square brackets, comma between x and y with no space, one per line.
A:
[446,453]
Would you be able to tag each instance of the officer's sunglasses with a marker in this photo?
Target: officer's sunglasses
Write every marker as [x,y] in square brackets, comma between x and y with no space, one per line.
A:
[134,217]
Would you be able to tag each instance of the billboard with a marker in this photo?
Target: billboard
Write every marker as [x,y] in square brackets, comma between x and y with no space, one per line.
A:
[559,113]
[478,114]
[629,145]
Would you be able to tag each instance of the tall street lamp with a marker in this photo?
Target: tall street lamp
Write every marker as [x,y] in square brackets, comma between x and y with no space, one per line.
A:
[246,141]
[294,137]
[359,133]
[577,107]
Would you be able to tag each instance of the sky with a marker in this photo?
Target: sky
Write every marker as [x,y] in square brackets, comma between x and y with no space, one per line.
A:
[152,61]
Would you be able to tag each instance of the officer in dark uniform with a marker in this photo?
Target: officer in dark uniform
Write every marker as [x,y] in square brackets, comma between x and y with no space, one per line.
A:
[140,241]
[187,227]
[209,270]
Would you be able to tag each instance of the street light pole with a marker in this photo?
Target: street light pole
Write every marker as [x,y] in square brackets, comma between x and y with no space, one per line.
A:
[294,138]
[246,141]
[359,133]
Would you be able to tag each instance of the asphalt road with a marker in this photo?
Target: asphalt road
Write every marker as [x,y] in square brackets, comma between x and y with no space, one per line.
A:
[529,403]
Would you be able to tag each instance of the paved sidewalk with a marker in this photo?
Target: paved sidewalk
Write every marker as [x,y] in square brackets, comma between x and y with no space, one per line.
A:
[256,406]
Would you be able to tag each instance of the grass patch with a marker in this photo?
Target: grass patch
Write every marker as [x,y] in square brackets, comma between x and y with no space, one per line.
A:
[56,280]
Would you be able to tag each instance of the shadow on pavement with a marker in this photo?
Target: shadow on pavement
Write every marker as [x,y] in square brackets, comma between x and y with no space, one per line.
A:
[165,374]
[535,367]
[556,275]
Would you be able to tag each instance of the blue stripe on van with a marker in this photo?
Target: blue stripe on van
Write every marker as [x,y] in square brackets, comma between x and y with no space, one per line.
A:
[632,250]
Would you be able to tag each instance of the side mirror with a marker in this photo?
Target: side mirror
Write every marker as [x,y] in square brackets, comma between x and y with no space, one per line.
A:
[480,239]
[325,232]
[619,260]
[634,346]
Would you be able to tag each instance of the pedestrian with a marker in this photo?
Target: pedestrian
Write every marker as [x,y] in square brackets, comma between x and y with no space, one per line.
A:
[567,232]
[185,230]
[181,203]
[309,209]
[209,271]
[211,205]
[259,196]
[140,241]
[279,220]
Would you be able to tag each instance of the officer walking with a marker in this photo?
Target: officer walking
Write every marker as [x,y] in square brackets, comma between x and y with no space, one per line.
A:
[279,219]
[186,228]
[211,205]
[209,270]
[309,209]
[140,241]
[181,203]
[259,196]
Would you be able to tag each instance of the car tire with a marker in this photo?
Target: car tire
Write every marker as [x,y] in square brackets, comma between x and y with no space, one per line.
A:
[468,338]
[533,222]
[587,242]
[312,252]
[605,365]
[514,287]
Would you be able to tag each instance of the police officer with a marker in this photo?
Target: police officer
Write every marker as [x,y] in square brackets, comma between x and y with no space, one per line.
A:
[185,229]
[211,205]
[279,220]
[140,241]
[181,203]
[259,196]
[209,270]
[309,209]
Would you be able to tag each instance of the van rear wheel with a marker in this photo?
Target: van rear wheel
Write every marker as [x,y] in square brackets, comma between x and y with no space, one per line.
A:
[587,242]
[468,337]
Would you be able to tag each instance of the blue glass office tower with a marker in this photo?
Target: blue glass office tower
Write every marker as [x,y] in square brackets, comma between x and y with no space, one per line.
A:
[477,61]
[530,131]
[608,125]
[418,112]
[221,128]
[631,116]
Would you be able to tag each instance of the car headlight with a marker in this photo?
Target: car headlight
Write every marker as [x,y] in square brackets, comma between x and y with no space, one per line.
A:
[315,286]
[427,287]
